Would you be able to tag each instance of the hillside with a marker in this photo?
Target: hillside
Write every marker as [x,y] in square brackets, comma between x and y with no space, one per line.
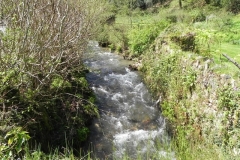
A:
[180,49]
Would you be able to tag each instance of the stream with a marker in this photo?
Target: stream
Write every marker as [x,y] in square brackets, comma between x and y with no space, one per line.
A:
[130,124]
[2,28]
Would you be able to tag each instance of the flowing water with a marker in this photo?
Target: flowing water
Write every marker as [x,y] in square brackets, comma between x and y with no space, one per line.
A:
[2,27]
[130,123]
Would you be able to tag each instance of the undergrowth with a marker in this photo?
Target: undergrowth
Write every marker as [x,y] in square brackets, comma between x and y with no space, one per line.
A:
[180,66]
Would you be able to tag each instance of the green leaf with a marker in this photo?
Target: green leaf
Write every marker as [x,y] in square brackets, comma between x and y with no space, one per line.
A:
[10,141]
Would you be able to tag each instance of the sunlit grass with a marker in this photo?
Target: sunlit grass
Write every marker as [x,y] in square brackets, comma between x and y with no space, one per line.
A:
[67,154]
[224,66]
[138,19]
[232,50]
[236,21]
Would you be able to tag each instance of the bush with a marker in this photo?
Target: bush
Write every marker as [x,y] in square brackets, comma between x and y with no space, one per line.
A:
[42,78]
[113,36]
[203,40]
[200,17]
[141,38]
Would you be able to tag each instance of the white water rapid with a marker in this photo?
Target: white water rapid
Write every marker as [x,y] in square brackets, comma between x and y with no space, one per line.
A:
[130,124]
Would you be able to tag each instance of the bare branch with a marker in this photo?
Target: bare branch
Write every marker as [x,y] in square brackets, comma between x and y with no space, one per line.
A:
[231,60]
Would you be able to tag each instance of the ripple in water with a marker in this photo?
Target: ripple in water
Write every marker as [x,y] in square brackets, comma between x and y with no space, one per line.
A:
[129,124]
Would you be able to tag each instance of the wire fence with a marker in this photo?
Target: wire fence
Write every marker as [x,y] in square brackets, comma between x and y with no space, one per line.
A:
[135,25]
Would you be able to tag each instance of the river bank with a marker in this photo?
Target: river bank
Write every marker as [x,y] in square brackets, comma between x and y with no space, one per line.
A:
[201,105]
[181,57]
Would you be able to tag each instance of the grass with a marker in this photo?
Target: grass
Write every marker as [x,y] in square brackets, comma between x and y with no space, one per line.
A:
[66,154]
[225,30]
[225,66]
[222,28]
[139,18]
[231,50]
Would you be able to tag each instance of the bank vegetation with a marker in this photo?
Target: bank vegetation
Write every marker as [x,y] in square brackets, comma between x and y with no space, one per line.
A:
[181,49]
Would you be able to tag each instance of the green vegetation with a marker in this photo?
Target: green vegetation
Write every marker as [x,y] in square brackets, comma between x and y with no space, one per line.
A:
[140,39]
[45,99]
[179,48]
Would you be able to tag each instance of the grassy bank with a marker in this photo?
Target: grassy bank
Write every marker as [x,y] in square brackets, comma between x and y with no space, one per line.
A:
[180,52]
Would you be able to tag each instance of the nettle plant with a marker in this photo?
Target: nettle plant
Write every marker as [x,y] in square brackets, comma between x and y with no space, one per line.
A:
[207,41]
[42,79]
[189,80]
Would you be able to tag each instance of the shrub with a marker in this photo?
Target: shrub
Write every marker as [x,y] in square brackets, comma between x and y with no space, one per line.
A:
[113,36]
[42,81]
[141,38]
[200,17]
[203,40]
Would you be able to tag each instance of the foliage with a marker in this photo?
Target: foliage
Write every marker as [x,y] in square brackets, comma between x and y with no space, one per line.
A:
[186,41]
[67,154]
[199,17]
[171,75]
[42,77]
[14,143]
[114,37]
[83,133]
[229,103]
[206,41]
[234,6]
[190,80]
[140,39]
[232,29]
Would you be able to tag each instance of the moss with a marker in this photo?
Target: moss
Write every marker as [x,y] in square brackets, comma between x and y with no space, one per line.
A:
[83,133]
